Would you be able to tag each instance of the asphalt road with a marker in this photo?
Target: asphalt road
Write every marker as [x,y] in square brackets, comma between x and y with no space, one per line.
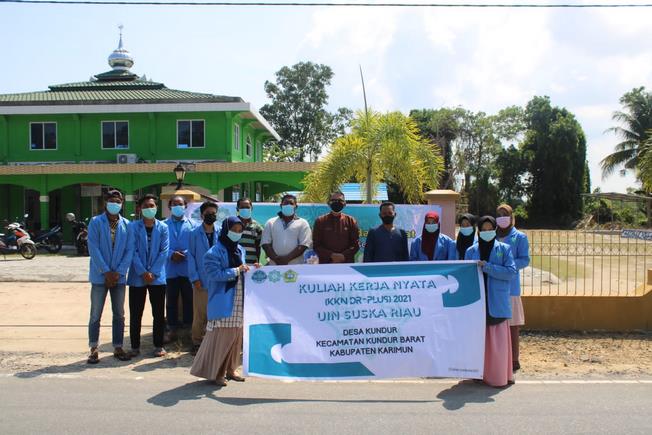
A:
[74,404]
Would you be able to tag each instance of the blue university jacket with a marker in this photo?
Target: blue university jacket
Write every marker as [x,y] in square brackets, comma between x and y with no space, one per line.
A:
[218,273]
[521,252]
[500,270]
[197,248]
[105,255]
[179,240]
[445,249]
[148,257]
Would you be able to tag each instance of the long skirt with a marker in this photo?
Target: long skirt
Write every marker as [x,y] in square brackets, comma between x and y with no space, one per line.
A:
[498,355]
[218,354]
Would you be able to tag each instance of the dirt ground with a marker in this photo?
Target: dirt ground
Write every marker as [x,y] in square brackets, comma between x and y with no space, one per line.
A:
[43,329]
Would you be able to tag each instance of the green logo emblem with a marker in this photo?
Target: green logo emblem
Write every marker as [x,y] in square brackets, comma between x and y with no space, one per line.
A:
[274,276]
[290,276]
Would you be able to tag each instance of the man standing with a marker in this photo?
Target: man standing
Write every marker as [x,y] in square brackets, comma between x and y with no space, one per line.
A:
[287,236]
[110,248]
[386,242]
[202,238]
[335,236]
[252,233]
[176,266]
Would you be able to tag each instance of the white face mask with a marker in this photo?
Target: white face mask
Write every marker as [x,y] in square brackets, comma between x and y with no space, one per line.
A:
[504,221]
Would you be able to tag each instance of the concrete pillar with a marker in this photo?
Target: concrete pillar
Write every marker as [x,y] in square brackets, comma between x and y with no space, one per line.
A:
[129,207]
[44,211]
[447,200]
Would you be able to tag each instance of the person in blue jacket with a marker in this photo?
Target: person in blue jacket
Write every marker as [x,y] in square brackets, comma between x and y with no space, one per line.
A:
[520,245]
[202,238]
[176,268]
[218,356]
[498,268]
[147,274]
[432,245]
[110,249]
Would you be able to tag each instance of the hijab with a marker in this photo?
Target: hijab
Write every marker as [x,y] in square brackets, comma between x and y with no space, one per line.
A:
[502,232]
[232,250]
[464,242]
[429,240]
[486,247]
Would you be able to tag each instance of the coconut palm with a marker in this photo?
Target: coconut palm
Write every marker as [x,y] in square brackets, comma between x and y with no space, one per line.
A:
[635,130]
[381,147]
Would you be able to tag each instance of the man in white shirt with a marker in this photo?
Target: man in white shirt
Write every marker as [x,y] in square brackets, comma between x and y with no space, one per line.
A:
[287,236]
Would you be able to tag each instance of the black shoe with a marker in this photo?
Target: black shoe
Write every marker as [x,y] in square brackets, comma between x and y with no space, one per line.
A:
[120,354]
[516,366]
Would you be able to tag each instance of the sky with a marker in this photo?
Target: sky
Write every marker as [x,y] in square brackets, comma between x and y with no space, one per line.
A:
[412,58]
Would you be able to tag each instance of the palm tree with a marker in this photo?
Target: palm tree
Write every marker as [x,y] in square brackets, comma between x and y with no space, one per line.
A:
[380,147]
[636,129]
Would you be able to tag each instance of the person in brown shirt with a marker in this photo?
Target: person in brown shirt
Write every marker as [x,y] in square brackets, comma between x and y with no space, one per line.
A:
[335,235]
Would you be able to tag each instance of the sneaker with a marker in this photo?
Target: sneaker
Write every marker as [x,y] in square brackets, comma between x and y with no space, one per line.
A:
[159,352]
[120,354]
[133,353]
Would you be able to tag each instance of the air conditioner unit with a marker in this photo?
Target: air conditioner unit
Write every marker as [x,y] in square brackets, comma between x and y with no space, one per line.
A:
[127,158]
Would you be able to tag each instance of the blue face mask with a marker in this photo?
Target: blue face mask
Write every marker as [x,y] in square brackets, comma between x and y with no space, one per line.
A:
[287,210]
[488,236]
[149,213]
[466,231]
[431,228]
[245,213]
[178,210]
[235,237]
[113,207]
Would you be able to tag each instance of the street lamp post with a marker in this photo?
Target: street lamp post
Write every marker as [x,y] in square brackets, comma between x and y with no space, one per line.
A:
[179,173]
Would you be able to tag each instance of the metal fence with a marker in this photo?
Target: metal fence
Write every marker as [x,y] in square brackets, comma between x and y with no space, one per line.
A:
[587,263]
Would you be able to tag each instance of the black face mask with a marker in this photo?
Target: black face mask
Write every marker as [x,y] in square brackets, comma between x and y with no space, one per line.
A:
[336,206]
[387,220]
[210,219]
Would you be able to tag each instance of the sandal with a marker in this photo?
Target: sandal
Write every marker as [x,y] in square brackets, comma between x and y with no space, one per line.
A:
[120,354]
[93,358]
[220,382]
[234,377]
[159,352]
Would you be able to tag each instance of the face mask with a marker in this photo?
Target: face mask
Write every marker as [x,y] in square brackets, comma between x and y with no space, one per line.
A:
[245,213]
[387,220]
[234,236]
[336,206]
[149,213]
[287,210]
[431,228]
[178,211]
[113,207]
[466,231]
[504,221]
[210,219]
[488,236]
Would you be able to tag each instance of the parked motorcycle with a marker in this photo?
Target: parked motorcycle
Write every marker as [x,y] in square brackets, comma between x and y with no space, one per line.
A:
[17,240]
[80,232]
[50,240]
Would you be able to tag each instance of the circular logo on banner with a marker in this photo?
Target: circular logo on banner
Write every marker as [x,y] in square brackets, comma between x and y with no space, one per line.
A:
[259,276]
[290,276]
[274,276]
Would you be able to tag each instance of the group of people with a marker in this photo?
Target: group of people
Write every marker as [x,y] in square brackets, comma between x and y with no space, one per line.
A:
[204,266]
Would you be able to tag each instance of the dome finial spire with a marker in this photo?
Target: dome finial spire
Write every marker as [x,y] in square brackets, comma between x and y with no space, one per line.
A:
[121,59]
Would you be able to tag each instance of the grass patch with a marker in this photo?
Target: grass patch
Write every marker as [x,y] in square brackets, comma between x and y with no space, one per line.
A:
[562,269]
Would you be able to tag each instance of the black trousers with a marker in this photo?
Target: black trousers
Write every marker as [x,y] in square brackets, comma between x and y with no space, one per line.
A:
[137,296]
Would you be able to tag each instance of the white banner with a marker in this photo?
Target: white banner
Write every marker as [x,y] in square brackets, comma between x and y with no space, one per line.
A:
[365,321]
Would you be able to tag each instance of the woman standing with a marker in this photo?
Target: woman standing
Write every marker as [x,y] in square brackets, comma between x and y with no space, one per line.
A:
[520,245]
[432,245]
[218,355]
[498,268]
[466,234]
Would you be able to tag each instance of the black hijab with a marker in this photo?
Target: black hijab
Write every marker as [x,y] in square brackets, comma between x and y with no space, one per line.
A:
[231,246]
[486,247]
[464,242]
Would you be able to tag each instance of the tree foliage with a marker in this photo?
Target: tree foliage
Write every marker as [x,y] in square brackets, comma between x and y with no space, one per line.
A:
[380,147]
[298,112]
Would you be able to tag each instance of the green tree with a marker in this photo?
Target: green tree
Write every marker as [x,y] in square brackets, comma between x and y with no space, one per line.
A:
[298,112]
[555,147]
[635,131]
[511,167]
[380,147]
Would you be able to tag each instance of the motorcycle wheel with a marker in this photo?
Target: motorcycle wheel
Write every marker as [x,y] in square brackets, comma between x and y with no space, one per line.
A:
[28,251]
[53,244]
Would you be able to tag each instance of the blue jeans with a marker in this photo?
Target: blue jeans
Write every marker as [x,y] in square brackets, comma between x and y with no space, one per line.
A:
[98,297]
[179,285]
